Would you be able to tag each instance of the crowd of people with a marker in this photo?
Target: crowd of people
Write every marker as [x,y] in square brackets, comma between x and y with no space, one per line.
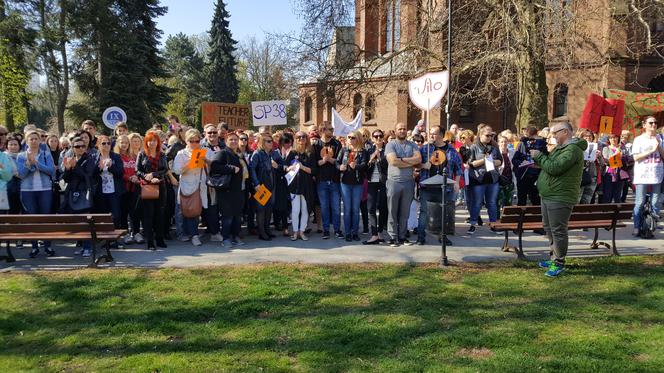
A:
[155,191]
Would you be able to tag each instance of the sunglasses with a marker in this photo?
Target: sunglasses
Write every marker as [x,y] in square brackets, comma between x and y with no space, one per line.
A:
[105,143]
[268,141]
[378,136]
[194,141]
[351,137]
[651,122]
[211,133]
[78,146]
[3,134]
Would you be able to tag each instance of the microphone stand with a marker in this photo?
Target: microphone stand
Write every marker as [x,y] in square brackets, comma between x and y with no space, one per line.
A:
[443,248]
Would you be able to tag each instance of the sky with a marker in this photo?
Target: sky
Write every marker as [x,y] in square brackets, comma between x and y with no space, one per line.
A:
[247,17]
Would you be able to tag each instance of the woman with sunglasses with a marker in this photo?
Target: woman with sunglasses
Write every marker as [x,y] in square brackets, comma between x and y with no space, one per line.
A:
[352,161]
[484,161]
[377,198]
[302,186]
[261,168]
[109,172]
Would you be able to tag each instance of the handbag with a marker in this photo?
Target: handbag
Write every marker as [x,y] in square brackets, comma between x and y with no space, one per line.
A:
[191,205]
[81,200]
[150,191]
[585,177]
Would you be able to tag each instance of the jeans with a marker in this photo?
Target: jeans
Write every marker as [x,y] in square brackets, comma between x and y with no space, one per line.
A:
[179,219]
[299,213]
[189,225]
[431,194]
[352,195]
[377,201]
[37,203]
[399,196]
[640,199]
[555,218]
[330,203]
[230,227]
[487,193]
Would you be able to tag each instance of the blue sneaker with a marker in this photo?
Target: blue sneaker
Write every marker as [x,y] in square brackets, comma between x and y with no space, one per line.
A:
[545,263]
[554,270]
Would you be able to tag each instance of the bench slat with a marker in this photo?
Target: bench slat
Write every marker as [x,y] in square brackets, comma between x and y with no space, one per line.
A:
[606,207]
[58,236]
[572,225]
[46,228]
[575,216]
[63,218]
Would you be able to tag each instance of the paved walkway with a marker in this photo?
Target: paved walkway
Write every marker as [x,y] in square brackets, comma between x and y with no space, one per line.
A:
[483,246]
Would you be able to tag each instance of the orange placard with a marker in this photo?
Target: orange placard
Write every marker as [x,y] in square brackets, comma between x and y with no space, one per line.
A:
[262,194]
[197,158]
[615,161]
[438,157]
[605,125]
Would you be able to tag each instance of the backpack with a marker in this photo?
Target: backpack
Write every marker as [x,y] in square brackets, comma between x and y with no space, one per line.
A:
[648,222]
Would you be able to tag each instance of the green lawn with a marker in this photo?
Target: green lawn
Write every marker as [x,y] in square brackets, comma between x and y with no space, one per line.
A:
[603,315]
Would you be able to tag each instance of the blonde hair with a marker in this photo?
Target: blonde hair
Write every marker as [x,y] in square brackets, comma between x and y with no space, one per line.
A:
[467,134]
[192,133]
[117,146]
[358,142]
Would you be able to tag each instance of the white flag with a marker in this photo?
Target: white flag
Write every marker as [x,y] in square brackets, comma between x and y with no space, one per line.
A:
[342,128]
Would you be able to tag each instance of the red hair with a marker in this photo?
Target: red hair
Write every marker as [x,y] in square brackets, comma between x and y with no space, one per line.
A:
[151,135]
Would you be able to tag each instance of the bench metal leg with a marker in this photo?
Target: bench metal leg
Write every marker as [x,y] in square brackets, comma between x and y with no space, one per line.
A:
[614,249]
[519,252]
[106,257]
[506,244]
[596,245]
[94,255]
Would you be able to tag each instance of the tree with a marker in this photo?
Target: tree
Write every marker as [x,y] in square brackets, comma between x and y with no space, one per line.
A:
[186,69]
[15,41]
[117,59]
[222,64]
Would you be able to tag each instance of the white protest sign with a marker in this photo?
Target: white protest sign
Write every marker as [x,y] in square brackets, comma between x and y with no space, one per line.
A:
[427,90]
[269,113]
[342,128]
[112,116]
[290,175]
[591,153]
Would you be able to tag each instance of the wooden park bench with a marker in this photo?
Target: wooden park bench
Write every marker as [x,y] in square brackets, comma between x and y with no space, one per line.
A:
[524,218]
[97,228]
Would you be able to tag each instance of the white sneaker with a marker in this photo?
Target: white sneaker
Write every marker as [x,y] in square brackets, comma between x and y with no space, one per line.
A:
[128,239]
[227,243]
[216,238]
[186,238]
[138,238]
[196,241]
[87,253]
[238,243]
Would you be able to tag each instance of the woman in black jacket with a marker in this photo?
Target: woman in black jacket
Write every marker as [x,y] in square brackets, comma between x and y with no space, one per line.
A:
[377,175]
[352,162]
[231,200]
[261,168]
[79,170]
[108,178]
[151,168]
[301,187]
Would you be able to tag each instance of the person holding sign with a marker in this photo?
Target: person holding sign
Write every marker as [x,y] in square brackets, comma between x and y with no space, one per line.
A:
[614,176]
[302,186]
[231,202]
[648,154]
[484,161]
[261,168]
[352,161]
[189,164]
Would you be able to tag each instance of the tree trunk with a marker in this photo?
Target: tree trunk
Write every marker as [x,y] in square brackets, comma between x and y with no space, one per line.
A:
[64,93]
[532,93]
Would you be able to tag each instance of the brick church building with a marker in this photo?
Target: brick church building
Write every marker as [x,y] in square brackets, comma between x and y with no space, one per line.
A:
[385,27]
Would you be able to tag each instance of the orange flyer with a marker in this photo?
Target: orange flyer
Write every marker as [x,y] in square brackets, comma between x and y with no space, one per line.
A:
[615,161]
[197,158]
[262,194]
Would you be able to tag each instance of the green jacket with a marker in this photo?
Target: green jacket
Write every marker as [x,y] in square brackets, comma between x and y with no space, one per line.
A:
[560,178]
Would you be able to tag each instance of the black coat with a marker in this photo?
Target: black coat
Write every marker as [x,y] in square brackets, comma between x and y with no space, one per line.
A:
[231,201]
[380,162]
[116,169]
[303,183]
[79,179]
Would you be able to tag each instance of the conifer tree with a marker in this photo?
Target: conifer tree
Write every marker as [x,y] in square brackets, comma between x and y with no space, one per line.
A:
[222,64]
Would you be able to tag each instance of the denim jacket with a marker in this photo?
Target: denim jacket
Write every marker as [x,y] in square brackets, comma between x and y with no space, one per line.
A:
[260,168]
[44,165]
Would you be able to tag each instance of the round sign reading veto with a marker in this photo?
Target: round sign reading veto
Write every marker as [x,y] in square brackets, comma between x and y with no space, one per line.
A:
[112,116]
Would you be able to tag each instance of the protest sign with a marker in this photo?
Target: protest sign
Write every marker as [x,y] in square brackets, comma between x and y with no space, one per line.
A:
[197,158]
[269,113]
[342,128]
[236,116]
[638,105]
[615,161]
[262,194]
[604,116]
[590,154]
[427,90]
[290,175]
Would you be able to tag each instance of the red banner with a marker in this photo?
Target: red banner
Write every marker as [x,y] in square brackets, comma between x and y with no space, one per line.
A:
[602,115]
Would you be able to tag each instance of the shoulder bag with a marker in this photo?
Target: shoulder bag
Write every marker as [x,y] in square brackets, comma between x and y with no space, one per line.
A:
[191,205]
[150,191]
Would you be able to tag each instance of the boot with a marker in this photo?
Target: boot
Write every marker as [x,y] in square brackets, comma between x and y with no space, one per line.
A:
[260,222]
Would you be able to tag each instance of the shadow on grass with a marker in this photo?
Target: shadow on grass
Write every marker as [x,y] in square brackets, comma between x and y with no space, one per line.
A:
[342,314]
